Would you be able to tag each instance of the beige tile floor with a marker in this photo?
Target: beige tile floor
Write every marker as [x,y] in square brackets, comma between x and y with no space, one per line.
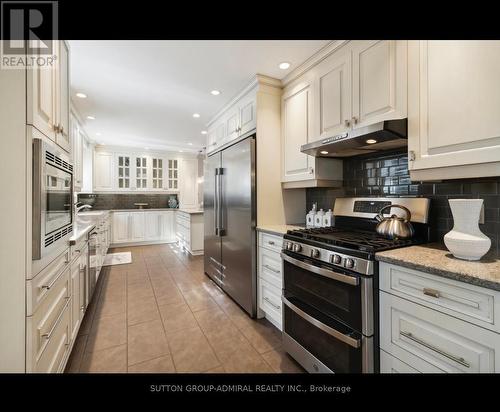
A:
[161,313]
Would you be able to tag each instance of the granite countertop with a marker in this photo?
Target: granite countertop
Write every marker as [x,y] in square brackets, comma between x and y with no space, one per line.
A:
[83,224]
[279,229]
[191,211]
[434,258]
[136,209]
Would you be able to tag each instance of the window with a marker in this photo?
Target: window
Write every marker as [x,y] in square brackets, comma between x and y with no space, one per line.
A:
[172,174]
[141,172]
[157,173]
[123,172]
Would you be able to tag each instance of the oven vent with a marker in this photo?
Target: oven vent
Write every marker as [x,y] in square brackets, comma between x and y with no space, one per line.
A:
[56,160]
[54,237]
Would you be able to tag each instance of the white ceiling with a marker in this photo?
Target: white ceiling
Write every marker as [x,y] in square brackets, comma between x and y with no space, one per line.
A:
[144,93]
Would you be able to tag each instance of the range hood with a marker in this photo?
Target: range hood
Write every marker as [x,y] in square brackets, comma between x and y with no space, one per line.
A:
[389,134]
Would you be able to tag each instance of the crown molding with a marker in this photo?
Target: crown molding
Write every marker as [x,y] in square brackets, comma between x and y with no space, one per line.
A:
[312,61]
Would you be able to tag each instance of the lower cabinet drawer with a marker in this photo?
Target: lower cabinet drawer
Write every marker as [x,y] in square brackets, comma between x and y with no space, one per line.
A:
[390,364]
[271,242]
[431,341]
[41,285]
[270,267]
[56,351]
[270,301]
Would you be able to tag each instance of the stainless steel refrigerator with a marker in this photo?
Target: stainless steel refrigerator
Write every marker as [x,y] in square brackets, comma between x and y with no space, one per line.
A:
[230,220]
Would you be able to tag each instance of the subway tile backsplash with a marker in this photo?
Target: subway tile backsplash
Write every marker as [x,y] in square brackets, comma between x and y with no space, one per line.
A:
[105,201]
[386,174]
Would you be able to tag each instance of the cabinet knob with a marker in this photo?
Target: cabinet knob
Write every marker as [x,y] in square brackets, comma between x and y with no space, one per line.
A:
[347,123]
[355,120]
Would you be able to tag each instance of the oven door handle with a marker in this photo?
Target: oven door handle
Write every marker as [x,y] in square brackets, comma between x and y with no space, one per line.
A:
[350,280]
[355,343]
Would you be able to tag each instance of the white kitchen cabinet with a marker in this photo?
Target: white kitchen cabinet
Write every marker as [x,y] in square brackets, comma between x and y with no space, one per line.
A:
[434,324]
[235,121]
[173,174]
[76,135]
[123,170]
[333,94]
[41,98]
[137,226]
[167,226]
[270,277]
[141,172]
[62,96]
[153,225]
[188,198]
[379,81]
[453,106]
[157,172]
[120,228]
[299,169]
[189,231]
[103,171]
[75,305]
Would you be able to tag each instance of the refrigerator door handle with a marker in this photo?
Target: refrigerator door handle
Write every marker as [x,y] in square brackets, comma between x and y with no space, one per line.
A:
[216,203]
[220,225]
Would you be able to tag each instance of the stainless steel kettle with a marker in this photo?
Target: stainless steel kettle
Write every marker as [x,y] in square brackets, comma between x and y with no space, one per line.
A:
[394,227]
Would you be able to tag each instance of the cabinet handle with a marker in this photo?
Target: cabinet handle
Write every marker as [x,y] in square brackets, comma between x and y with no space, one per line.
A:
[272,269]
[271,303]
[56,128]
[347,123]
[454,358]
[355,120]
[51,331]
[411,155]
[271,242]
[431,292]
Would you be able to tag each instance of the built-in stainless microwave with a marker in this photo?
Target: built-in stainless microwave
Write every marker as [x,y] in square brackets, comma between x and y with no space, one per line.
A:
[52,204]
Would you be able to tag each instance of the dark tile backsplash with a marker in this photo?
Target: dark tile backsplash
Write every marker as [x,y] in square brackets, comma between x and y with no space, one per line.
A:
[386,174]
[104,201]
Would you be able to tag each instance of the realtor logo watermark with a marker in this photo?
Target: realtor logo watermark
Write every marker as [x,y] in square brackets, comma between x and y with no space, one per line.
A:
[27,31]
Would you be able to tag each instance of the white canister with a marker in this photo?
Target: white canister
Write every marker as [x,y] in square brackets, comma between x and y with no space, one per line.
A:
[328,218]
[318,218]
[310,216]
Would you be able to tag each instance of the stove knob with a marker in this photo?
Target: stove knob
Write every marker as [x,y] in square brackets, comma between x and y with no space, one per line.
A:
[314,253]
[349,263]
[289,245]
[297,248]
[336,259]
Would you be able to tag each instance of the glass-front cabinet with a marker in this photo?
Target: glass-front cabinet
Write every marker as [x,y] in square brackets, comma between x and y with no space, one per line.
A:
[157,173]
[145,172]
[123,175]
[173,174]
[141,172]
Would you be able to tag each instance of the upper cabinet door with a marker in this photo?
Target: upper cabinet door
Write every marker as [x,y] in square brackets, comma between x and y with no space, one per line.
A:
[232,125]
[247,111]
[103,171]
[41,98]
[333,95]
[62,97]
[379,81]
[296,119]
[189,183]
[454,106]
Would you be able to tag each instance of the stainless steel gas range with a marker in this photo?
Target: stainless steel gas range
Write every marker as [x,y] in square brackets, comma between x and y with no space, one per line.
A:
[330,288]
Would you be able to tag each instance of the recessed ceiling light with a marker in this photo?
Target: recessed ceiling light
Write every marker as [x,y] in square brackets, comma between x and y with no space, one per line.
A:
[324,152]
[98,134]
[81,95]
[371,141]
[147,148]
[180,151]
[284,65]
[203,132]
[102,143]
[215,92]
[196,115]
[190,144]
[91,117]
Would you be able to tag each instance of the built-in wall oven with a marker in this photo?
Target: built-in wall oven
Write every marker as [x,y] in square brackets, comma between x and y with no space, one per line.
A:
[52,205]
[328,316]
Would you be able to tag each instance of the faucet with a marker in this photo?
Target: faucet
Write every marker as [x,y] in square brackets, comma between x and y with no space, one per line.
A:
[79,208]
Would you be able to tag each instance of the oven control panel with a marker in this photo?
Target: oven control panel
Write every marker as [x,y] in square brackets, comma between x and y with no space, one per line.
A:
[355,264]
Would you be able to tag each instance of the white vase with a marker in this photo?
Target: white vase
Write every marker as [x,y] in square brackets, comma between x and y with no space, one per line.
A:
[466,241]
